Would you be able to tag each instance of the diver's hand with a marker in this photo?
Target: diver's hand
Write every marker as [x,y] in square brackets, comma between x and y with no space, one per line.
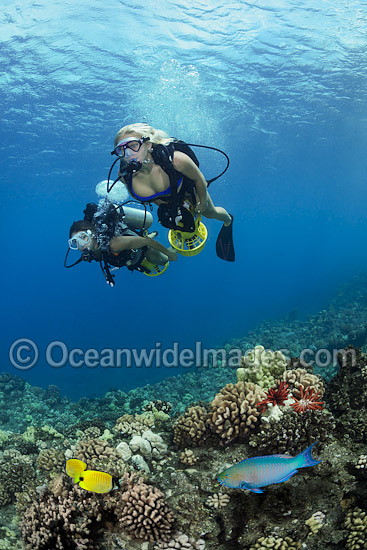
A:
[172,255]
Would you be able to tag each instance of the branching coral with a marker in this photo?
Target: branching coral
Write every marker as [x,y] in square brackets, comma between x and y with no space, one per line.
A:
[69,517]
[191,429]
[159,405]
[356,525]
[315,522]
[234,413]
[50,461]
[348,389]
[149,444]
[354,424]
[298,379]
[188,458]
[347,394]
[218,500]
[60,522]
[16,472]
[98,454]
[181,542]
[261,367]
[92,432]
[142,511]
[134,425]
[276,543]
[294,432]
[160,410]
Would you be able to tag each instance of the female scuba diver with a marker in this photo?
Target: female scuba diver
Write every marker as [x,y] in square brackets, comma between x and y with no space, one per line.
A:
[157,168]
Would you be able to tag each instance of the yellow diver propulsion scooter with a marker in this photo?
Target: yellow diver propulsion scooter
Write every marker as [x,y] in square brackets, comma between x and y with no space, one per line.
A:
[189,244]
[153,269]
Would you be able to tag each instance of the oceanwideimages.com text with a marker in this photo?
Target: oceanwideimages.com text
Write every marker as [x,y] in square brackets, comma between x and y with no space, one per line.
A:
[24,354]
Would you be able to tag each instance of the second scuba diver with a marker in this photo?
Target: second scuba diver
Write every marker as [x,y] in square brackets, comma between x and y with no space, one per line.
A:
[103,237]
[157,168]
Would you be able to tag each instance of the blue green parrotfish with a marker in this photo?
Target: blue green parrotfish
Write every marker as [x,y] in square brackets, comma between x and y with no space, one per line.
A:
[260,471]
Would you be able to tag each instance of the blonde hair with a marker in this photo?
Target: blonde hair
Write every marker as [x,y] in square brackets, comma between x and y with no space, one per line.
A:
[143,130]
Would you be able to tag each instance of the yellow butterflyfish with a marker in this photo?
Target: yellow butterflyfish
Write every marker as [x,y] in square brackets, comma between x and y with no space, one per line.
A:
[95,481]
[74,467]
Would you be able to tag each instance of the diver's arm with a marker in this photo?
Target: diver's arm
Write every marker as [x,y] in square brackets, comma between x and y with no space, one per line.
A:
[184,164]
[118,244]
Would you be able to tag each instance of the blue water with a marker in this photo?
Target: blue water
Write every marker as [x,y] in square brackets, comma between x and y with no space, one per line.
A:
[280,86]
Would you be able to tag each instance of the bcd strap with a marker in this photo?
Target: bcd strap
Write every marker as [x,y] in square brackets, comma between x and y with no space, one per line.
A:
[173,215]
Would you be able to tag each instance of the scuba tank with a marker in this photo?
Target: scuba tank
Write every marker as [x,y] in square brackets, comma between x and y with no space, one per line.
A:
[135,218]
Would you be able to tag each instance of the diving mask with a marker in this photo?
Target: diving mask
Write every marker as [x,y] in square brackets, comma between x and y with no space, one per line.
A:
[80,240]
[128,146]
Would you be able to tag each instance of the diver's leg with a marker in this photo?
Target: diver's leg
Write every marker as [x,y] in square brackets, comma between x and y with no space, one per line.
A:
[155,256]
[217,213]
[224,245]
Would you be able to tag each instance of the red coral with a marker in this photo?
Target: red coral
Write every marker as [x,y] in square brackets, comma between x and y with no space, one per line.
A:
[275,397]
[307,401]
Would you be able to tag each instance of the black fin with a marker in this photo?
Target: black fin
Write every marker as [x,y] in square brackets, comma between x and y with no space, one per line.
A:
[224,245]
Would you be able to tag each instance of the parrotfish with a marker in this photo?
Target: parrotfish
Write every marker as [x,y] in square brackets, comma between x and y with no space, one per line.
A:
[260,471]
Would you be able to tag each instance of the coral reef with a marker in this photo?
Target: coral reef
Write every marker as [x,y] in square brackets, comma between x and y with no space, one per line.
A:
[261,366]
[356,525]
[50,461]
[16,472]
[191,429]
[234,413]
[181,542]
[218,500]
[347,394]
[276,543]
[99,455]
[134,425]
[70,521]
[142,511]
[160,410]
[299,380]
[348,389]
[69,517]
[188,458]
[180,433]
[294,432]
[315,522]
[149,444]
